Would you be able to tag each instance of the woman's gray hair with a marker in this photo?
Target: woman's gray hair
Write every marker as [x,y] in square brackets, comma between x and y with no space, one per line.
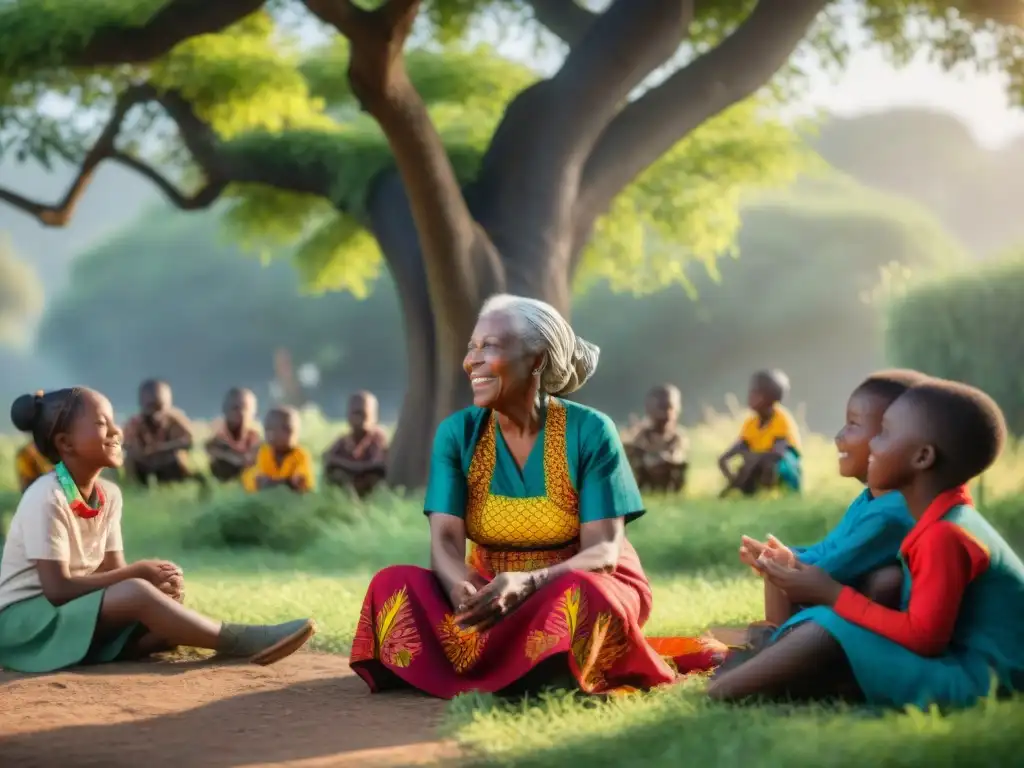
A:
[568,361]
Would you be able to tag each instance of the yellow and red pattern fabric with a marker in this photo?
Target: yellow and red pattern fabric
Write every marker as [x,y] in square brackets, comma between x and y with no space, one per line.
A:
[407,635]
[30,465]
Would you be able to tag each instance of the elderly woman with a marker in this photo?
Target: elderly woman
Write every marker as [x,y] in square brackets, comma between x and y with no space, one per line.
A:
[541,489]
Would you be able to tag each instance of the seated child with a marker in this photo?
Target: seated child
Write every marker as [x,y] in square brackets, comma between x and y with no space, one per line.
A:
[67,595]
[863,548]
[235,439]
[961,617]
[769,443]
[658,451]
[30,465]
[358,460]
[158,439]
[280,461]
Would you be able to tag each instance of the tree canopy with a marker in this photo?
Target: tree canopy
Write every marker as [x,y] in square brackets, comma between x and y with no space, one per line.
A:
[826,248]
[400,138]
[237,70]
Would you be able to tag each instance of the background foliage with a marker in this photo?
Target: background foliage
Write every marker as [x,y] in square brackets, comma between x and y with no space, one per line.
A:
[967,327]
[813,262]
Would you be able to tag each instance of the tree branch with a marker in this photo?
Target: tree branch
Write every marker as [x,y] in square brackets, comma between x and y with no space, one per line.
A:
[1006,12]
[221,164]
[59,214]
[459,260]
[204,197]
[654,123]
[620,49]
[566,19]
[174,22]
[449,237]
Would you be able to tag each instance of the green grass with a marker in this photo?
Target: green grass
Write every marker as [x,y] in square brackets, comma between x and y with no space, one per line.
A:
[688,548]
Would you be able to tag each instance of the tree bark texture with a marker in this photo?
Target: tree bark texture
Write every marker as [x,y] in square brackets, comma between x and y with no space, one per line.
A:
[564,149]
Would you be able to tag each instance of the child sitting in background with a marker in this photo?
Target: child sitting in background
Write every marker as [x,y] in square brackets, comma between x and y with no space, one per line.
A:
[280,461]
[30,464]
[959,631]
[862,550]
[358,460]
[67,595]
[658,451]
[769,443]
[235,440]
[158,439]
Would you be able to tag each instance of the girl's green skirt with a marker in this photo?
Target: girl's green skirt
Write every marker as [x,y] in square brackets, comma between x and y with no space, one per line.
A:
[37,636]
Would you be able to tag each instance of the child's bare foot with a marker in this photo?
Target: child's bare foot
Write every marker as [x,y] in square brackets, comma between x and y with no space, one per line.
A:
[265,644]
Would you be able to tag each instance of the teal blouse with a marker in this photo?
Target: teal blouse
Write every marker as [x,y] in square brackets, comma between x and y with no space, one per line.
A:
[598,467]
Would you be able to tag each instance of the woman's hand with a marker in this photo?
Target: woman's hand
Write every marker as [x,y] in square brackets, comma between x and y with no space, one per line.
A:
[496,600]
[460,595]
[804,584]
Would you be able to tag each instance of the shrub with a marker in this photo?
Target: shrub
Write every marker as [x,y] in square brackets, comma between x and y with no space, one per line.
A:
[967,327]
[275,519]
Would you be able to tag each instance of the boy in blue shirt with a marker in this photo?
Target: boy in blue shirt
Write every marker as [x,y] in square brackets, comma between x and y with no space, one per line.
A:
[861,551]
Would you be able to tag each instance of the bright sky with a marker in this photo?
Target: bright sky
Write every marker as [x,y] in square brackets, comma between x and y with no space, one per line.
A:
[870,84]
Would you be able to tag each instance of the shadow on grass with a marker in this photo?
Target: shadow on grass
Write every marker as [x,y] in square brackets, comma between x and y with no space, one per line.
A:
[689,731]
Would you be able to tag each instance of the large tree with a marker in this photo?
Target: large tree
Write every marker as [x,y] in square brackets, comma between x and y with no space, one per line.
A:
[610,145]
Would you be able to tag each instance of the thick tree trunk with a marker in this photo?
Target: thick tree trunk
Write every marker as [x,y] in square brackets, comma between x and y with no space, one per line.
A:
[436,336]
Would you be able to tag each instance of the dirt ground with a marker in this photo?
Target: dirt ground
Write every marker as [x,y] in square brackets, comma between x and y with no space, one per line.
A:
[307,711]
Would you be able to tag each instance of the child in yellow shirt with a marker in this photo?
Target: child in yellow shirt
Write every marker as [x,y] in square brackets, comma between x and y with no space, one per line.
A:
[280,461]
[30,465]
[769,441]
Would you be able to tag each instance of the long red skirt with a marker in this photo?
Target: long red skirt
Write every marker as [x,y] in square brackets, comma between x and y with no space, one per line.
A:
[407,636]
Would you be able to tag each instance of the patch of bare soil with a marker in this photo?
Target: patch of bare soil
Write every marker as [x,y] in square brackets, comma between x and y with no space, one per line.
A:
[307,711]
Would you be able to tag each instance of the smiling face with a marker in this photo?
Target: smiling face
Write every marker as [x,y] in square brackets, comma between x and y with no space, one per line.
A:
[500,369]
[864,414]
[901,449]
[92,439]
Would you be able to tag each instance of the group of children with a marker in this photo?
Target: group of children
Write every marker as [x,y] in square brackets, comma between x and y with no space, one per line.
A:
[912,599]
[766,454]
[159,439]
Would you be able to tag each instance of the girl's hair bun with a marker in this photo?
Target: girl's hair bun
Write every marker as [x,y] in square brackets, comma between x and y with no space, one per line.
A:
[25,411]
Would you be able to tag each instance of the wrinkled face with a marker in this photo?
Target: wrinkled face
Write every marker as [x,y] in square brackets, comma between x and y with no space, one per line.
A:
[498,366]
[154,400]
[93,439]
[662,409]
[282,432]
[362,413]
[864,414]
[239,410]
[901,449]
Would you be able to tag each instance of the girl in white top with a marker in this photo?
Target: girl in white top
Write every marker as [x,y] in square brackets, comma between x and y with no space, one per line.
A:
[67,595]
